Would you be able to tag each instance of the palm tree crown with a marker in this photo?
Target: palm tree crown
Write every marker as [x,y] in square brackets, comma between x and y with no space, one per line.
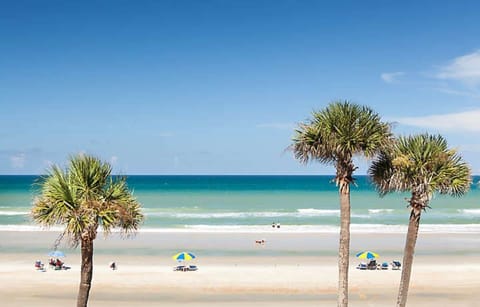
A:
[422,164]
[85,196]
[337,133]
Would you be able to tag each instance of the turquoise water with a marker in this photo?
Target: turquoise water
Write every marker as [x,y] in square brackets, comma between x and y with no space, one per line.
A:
[253,203]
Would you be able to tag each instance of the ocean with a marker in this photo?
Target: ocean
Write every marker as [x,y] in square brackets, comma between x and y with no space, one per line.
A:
[254,203]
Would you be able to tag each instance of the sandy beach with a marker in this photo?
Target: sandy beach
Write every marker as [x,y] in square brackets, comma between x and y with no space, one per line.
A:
[234,271]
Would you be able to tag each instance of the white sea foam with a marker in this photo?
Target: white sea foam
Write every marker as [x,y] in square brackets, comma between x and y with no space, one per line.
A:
[256,214]
[319,212]
[379,211]
[474,212]
[213,215]
[218,215]
[261,229]
[355,228]
[450,228]
[28,228]
[8,212]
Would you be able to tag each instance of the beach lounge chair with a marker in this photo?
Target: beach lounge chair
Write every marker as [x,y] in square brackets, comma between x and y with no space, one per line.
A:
[372,265]
[192,268]
[396,265]
[362,266]
[179,268]
[384,266]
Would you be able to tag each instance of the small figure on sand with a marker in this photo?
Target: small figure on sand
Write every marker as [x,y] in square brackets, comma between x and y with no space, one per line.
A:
[113,265]
[39,265]
[59,264]
[261,242]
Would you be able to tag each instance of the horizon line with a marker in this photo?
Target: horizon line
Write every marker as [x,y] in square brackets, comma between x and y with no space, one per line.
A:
[200,174]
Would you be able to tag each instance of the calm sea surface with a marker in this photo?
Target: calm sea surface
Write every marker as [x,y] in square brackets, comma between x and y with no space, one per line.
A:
[253,203]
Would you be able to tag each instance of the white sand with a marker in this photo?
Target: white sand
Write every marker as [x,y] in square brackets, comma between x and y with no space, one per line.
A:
[273,278]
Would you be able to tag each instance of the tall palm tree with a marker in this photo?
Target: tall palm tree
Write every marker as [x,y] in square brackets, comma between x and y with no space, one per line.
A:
[421,164]
[84,197]
[334,136]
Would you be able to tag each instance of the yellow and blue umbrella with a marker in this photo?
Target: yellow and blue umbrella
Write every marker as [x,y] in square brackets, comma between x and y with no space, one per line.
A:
[183,256]
[367,255]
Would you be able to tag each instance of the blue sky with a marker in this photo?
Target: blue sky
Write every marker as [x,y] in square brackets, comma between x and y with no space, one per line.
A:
[217,87]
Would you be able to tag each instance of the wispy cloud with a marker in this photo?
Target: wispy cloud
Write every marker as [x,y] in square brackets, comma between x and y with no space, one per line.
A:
[459,76]
[465,68]
[165,134]
[113,160]
[278,126]
[460,122]
[391,77]
[18,160]
[475,148]
[48,163]
[458,92]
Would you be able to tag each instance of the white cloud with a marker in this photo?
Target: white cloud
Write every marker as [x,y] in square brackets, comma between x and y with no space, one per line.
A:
[113,160]
[462,121]
[165,134]
[458,93]
[391,77]
[18,160]
[465,68]
[278,126]
[474,148]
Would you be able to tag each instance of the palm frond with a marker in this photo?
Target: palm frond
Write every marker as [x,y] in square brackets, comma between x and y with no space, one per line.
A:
[57,200]
[121,208]
[340,131]
[422,164]
[85,196]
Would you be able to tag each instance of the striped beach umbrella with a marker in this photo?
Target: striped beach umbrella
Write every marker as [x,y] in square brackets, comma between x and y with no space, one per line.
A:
[367,255]
[183,256]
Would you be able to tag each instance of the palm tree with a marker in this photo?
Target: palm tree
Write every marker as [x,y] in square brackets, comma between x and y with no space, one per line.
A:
[334,136]
[421,164]
[84,197]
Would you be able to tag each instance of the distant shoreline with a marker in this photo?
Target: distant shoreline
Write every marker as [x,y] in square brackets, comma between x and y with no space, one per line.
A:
[286,229]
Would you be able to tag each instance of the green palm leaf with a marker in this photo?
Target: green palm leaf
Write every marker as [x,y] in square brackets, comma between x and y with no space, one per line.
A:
[334,136]
[423,165]
[83,197]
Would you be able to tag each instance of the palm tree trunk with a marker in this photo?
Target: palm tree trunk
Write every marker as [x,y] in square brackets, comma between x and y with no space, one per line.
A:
[412,235]
[344,246]
[86,272]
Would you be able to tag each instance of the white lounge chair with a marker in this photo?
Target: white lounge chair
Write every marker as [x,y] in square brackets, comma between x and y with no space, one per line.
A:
[396,265]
